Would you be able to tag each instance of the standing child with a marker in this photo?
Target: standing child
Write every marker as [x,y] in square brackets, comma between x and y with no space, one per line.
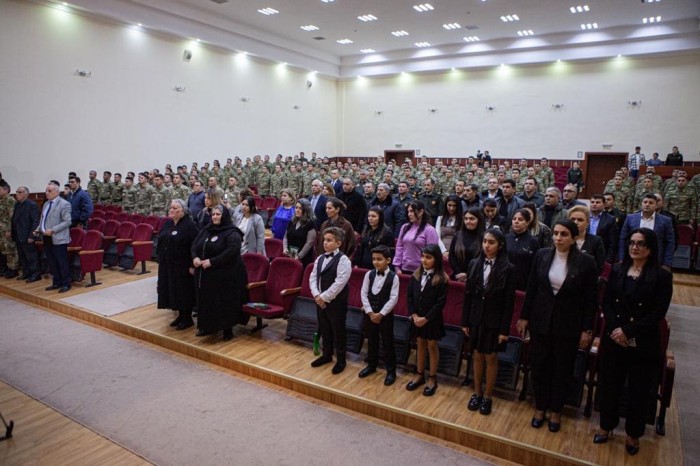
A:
[380,293]
[427,294]
[329,286]
[487,312]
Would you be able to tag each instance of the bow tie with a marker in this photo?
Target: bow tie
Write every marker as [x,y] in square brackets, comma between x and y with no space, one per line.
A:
[329,255]
[488,263]
[381,274]
[427,274]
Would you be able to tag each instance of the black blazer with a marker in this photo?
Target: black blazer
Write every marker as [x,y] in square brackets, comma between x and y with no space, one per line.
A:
[593,246]
[639,311]
[571,310]
[430,302]
[320,210]
[490,306]
[610,234]
[25,219]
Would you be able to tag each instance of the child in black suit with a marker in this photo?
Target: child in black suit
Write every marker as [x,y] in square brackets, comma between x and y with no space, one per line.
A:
[427,294]
[380,293]
[329,287]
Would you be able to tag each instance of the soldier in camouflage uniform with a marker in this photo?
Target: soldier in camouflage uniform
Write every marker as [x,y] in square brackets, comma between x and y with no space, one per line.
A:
[7,246]
[547,172]
[231,193]
[624,201]
[294,180]
[308,177]
[647,187]
[179,190]
[129,196]
[144,195]
[683,200]
[160,200]
[93,187]
[105,190]
[117,190]
[264,179]
[278,181]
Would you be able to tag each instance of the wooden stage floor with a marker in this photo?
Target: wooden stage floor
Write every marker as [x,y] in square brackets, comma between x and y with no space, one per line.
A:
[265,356]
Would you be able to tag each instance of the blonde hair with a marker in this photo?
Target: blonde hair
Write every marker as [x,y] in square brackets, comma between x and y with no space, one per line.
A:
[580,208]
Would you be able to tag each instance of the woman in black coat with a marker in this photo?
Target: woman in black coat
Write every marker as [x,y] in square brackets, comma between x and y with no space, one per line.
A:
[560,303]
[521,247]
[376,233]
[586,242]
[636,300]
[486,313]
[220,276]
[175,282]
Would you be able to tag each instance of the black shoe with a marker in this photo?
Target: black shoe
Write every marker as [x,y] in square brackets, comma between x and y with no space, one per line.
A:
[414,384]
[228,334]
[183,325]
[318,362]
[430,391]
[202,333]
[485,408]
[52,287]
[367,371]
[176,322]
[390,378]
[554,426]
[33,279]
[12,273]
[338,368]
[23,277]
[475,402]
[537,423]
[602,438]
[632,449]
[64,289]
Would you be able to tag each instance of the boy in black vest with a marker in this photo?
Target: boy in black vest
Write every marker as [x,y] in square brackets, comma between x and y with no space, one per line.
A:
[380,293]
[329,287]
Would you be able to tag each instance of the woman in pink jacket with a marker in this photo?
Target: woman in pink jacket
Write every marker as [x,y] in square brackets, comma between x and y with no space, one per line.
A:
[413,237]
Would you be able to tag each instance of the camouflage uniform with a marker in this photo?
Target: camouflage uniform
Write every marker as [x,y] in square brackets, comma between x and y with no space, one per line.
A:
[144,199]
[623,198]
[639,197]
[547,175]
[117,194]
[181,192]
[233,196]
[683,202]
[278,181]
[295,183]
[159,201]
[7,246]
[696,182]
[264,183]
[105,192]
[93,189]
[307,179]
[129,199]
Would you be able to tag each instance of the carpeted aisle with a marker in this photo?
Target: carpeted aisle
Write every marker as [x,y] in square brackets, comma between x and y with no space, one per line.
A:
[173,412]
[117,299]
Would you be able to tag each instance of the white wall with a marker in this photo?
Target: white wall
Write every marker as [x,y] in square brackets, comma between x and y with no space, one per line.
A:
[127,115]
[524,123]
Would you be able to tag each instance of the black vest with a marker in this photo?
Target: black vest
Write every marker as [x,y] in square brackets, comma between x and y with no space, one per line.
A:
[326,277]
[377,301]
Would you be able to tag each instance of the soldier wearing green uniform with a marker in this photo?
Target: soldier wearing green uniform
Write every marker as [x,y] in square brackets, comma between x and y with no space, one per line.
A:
[129,196]
[93,187]
[231,194]
[179,190]
[8,248]
[117,190]
[294,180]
[105,189]
[160,200]
[647,187]
[144,195]
[278,181]
[683,200]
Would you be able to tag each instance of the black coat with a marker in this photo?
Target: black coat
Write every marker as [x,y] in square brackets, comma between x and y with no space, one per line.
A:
[571,310]
[320,210]
[355,210]
[175,284]
[25,219]
[593,246]
[363,256]
[521,253]
[472,245]
[610,234]
[392,216]
[490,306]
[429,303]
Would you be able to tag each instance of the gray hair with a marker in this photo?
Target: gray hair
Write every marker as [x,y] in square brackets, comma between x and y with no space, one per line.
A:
[182,204]
[555,190]
[384,186]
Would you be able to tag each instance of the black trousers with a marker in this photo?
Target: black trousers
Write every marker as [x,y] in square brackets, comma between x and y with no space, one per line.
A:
[331,322]
[57,258]
[552,360]
[385,329]
[617,366]
[28,258]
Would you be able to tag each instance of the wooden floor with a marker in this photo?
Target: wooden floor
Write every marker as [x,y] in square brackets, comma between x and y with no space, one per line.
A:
[266,356]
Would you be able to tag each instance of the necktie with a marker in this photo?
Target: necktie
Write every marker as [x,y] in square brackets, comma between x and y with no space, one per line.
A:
[43,221]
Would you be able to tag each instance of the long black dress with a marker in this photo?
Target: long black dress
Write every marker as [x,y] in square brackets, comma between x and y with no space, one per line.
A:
[175,284]
[221,289]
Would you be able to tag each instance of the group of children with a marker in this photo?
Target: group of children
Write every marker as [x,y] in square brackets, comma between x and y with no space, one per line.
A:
[486,314]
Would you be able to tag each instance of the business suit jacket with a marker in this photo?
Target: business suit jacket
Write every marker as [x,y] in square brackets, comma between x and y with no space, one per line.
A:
[25,220]
[337,186]
[664,234]
[609,233]
[355,209]
[571,310]
[58,220]
[428,303]
[490,306]
[320,210]
[254,237]
[593,246]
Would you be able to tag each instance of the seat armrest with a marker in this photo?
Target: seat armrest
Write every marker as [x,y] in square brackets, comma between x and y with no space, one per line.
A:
[290,291]
[141,243]
[123,240]
[74,248]
[93,251]
[252,286]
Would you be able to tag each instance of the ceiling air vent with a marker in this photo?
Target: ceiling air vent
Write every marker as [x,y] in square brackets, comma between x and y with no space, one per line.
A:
[468,28]
[319,38]
[220,1]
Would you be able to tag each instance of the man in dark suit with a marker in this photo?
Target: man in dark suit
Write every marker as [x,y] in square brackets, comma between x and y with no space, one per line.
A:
[336,182]
[54,227]
[661,225]
[355,205]
[390,206]
[661,210]
[318,202]
[25,220]
[604,225]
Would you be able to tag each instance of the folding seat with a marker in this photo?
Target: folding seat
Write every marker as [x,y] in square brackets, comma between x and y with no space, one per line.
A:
[274,248]
[110,215]
[510,360]
[96,223]
[269,205]
[123,217]
[153,221]
[448,268]
[91,256]
[303,321]
[98,213]
[138,249]
[355,317]
[118,244]
[452,344]
[109,233]
[682,258]
[273,298]
[76,242]
[137,218]
[257,267]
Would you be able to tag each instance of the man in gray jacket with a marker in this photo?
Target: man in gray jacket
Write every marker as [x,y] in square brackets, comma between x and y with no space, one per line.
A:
[54,229]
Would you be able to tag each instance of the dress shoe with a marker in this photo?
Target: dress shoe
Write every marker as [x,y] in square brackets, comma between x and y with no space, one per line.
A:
[474,402]
[602,438]
[537,423]
[318,362]
[554,426]
[632,448]
[176,322]
[202,333]
[338,368]
[52,287]
[414,384]
[33,279]
[183,325]
[367,371]
[64,289]
[485,407]
[23,277]
[228,334]
[390,378]
[430,391]
[12,273]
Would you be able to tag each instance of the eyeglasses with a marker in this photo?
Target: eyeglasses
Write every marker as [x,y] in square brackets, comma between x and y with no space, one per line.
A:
[638,244]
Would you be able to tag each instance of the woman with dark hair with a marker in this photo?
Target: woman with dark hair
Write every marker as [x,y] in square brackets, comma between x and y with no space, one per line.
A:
[252,226]
[284,214]
[448,222]
[237,212]
[175,283]
[467,242]
[539,230]
[334,209]
[220,275]
[427,294]
[413,237]
[521,247]
[212,198]
[586,242]
[486,314]
[300,238]
[376,233]
[560,303]
[637,297]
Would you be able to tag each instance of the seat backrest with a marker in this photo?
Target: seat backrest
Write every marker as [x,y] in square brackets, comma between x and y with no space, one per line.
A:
[305,283]
[284,273]
[123,217]
[517,309]
[137,218]
[97,213]
[76,237]
[161,223]
[143,232]
[355,287]
[453,307]
[126,230]
[269,203]
[257,266]
[607,268]
[152,220]
[92,241]
[401,308]
[96,223]
[110,228]
[273,247]
[685,235]
[448,268]
[110,215]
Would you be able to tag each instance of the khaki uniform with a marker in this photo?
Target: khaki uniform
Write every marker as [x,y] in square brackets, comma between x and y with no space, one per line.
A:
[623,198]
[295,183]
[93,189]
[129,200]
[683,203]
[105,191]
[181,192]
[117,194]
[7,246]
[144,199]
[160,200]
[278,181]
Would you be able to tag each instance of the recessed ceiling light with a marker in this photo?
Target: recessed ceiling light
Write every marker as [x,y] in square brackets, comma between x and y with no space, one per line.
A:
[422,44]
[652,19]
[367,18]
[589,26]
[471,39]
[197,40]
[139,25]
[579,9]
[423,7]
[268,11]
[650,1]
[344,41]
[400,33]
[65,3]
[327,1]
[525,33]
[451,26]
[510,18]
[309,27]
[367,50]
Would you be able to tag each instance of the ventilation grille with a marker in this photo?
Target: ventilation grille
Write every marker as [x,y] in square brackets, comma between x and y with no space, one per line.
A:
[319,38]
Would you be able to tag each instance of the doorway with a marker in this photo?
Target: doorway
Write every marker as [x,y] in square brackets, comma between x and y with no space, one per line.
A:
[598,168]
[399,156]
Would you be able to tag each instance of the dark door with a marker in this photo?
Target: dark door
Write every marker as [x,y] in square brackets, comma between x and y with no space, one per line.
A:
[399,156]
[598,168]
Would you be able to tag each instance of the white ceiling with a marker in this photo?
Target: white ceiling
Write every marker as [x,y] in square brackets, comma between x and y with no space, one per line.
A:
[237,25]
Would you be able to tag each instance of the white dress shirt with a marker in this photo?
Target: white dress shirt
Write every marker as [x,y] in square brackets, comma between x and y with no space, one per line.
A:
[376,288]
[341,279]
[647,223]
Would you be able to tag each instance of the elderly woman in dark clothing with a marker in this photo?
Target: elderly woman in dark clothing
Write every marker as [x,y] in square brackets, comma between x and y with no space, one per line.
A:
[220,276]
[466,243]
[636,299]
[521,247]
[175,283]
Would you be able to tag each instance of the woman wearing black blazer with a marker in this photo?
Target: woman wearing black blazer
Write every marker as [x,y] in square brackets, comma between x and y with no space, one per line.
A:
[636,300]
[586,242]
[486,313]
[560,304]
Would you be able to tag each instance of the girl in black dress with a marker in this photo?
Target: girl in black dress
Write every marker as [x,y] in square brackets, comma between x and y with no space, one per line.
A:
[486,313]
[427,294]
[467,242]
[376,233]
[521,247]
[300,238]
